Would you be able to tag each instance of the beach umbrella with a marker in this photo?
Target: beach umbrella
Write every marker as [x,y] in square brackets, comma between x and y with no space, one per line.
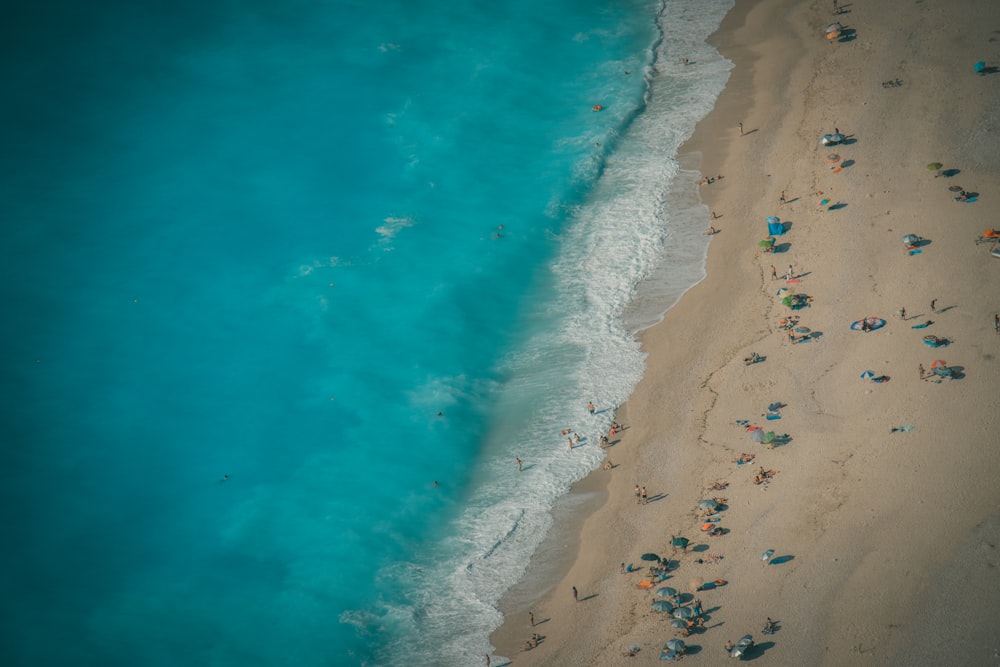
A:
[834,27]
[824,202]
[683,613]
[650,557]
[910,239]
[838,137]
[662,605]
[676,645]
[708,504]
[939,362]
[832,158]
[766,243]
[766,556]
[678,623]
[826,139]
[757,435]
[979,67]
[934,166]
[867,375]
[666,592]
[681,542]
[768,438]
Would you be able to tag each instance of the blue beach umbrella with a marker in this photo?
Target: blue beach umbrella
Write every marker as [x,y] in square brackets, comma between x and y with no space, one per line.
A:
[867,375]
[666,592]
[979,67]
[662,605]
[683,613]
[675,645]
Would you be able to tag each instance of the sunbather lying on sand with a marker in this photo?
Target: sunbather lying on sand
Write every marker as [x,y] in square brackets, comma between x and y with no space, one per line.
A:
[718,486]
[746,458]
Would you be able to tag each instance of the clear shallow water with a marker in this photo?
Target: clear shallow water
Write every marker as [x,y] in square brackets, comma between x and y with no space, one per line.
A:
[260,242]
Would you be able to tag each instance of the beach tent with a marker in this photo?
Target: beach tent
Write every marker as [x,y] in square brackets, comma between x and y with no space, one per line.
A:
[774,225]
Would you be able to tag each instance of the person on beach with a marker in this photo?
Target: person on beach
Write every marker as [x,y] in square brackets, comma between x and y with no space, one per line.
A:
[711,231]
[774,273]
[576,438]
[531,618]
[487,660]
[590,408]
[570,441]
[902,313]
[642,494]
[519,465]
[741,129]
[781,199]
[933,304]
[638,494]
[729,646]
[715,216]
[789,274]
[996,323]
[576,596]
[920,367]
[605,442]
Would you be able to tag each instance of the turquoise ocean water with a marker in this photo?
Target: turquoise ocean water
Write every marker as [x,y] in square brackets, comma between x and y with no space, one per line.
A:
[263,241]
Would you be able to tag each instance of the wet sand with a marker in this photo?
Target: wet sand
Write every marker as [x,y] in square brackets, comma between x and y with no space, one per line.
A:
[885,543]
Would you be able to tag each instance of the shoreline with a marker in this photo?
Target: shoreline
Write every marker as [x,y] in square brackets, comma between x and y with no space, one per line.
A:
[861,532]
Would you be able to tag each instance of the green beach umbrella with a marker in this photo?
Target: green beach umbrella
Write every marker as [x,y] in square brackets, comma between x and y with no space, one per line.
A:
[934,166]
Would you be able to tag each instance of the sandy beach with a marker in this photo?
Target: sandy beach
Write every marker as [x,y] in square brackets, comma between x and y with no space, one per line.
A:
[883,512]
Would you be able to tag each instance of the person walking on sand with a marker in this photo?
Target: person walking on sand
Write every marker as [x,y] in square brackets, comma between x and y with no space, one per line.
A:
[519,465]
[638,494]
[790,273]
[576,596]
[774,273]
[920,368]
[741,129]
[643,498]
[902,313]
[933,304]
[531,618]
[996,323]
[781,199]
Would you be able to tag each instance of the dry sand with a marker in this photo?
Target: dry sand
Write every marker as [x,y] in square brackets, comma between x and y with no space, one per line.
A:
[891,541]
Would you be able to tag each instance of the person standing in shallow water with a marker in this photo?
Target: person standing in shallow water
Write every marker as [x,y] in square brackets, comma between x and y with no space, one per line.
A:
[590,408]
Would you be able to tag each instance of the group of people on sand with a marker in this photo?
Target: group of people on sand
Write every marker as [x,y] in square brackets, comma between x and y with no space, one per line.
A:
[708,180]
[763,476]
